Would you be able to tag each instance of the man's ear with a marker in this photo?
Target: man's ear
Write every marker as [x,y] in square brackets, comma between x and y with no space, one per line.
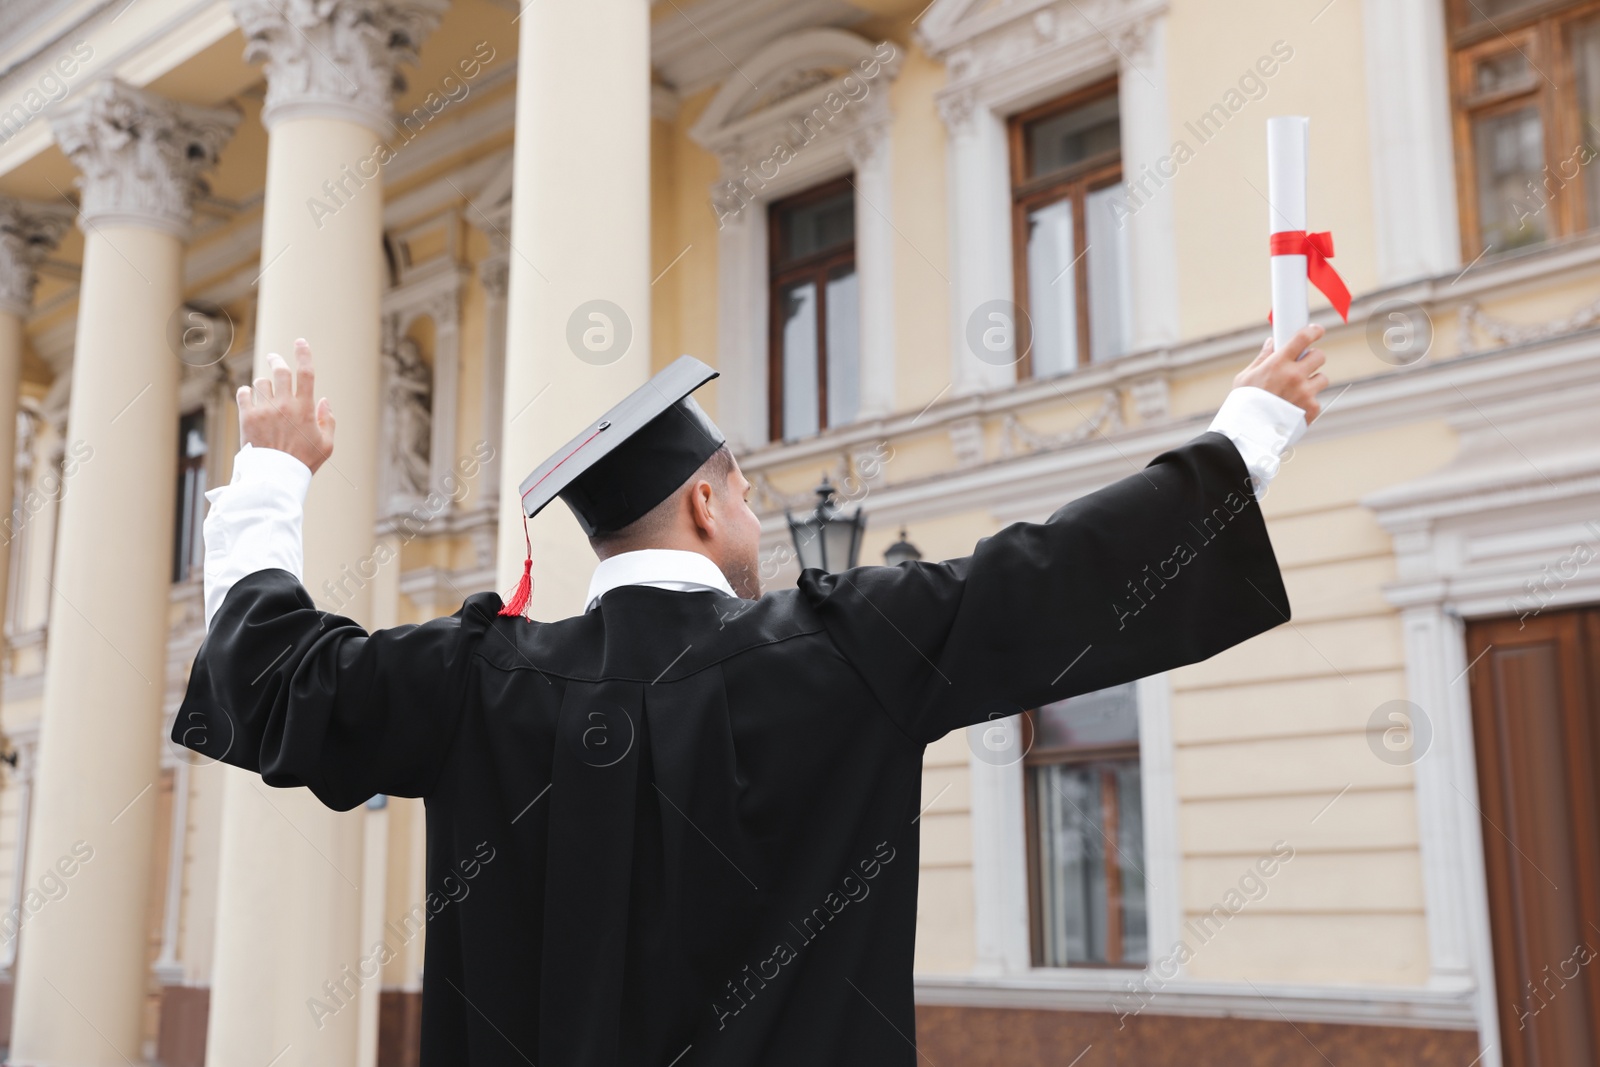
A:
[701,496]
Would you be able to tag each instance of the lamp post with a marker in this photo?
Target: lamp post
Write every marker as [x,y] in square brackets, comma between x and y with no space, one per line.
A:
[827,539]
[902,551]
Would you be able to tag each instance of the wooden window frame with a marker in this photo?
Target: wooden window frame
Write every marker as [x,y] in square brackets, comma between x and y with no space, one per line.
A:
[1103,757]
[817,268]
[1541,33]
[1027,194]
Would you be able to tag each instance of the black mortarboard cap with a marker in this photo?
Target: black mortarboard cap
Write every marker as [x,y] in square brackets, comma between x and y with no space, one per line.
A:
[632,457]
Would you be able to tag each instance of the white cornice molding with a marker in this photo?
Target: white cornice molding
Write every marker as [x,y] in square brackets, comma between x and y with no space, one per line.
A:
[1031,484]
[1004,56]
[1488,533]
[1503,277]
[335,58]
[1102,991]
[801,76]
[187,28]
[141,155]
[701,44]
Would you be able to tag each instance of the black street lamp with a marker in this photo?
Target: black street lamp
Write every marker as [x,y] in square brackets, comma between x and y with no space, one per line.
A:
[826,538]
[902,551]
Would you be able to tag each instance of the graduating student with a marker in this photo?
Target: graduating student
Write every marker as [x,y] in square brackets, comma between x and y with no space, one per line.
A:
[702,800]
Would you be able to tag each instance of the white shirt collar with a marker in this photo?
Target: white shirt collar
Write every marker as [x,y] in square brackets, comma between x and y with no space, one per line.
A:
[661,568]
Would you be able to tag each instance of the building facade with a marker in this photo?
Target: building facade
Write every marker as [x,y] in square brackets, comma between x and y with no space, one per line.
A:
[967,260]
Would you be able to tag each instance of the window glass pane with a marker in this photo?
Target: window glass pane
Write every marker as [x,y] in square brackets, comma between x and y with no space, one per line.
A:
[1107,262]
[1107,717]
[818,226]
[1071,137]
[844,344]
[1501,72]
[1510,163]
[1130,858]
[1586,61]
[799,303]
[187,544]
[1052,289]
[1072,865]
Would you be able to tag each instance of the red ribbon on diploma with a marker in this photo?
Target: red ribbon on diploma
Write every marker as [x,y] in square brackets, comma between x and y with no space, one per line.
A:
[1318,249]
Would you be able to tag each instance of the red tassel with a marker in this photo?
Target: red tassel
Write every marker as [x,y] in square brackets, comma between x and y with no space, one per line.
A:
[517,606]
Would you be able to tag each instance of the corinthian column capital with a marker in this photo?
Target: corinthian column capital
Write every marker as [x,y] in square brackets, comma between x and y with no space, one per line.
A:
[141,155]
[28,231]
[335,58]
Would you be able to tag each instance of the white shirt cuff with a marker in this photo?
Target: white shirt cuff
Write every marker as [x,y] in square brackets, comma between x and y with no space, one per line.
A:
[1262,426]
[254,522]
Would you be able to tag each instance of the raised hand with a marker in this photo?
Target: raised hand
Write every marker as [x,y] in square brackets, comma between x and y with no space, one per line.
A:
[279,412]
[1295,374]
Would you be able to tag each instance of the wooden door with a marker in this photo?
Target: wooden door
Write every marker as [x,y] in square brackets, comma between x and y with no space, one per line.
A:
[1536,721]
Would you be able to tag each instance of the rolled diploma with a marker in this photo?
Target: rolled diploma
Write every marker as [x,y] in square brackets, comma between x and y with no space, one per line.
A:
[1286,193]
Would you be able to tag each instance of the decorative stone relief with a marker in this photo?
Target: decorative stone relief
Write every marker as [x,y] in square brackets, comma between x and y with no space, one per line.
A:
[1474,322]
[1151,400]
[1017,438]
[28,232]
[966,439]
[408,387]
[141,155]
[335,57]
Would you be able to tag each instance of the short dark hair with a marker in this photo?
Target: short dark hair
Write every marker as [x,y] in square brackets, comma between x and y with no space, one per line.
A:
[649,526]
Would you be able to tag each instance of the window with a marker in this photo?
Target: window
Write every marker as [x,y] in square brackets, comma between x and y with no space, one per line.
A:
[814,369]
[1086,831]
[1069,233]
[1527,115]
[188,547]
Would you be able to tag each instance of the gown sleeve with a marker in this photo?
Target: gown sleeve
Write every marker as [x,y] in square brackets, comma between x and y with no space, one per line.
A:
[307,698]
[1166,567]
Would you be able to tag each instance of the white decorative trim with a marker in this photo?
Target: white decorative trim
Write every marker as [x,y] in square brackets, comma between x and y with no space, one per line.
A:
[141,155]
[334,58]
[1480,537]
[1000,852]
[1017,438]
[1413,156]
[1006,58]
[823,111]
[168,968]
[1502,333]
[1163,852]
[1096,991]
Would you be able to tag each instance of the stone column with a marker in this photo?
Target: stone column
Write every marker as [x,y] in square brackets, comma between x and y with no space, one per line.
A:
[289,906]
[868,149]
[494,273]
[1151,308]
[28,231]
[82,968]
[981,291]
[578,337]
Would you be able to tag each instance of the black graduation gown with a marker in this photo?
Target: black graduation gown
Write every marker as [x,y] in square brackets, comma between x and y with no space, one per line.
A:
[685,822]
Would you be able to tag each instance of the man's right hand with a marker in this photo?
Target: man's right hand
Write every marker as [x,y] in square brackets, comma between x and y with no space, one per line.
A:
[279,412]
[1295,377]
